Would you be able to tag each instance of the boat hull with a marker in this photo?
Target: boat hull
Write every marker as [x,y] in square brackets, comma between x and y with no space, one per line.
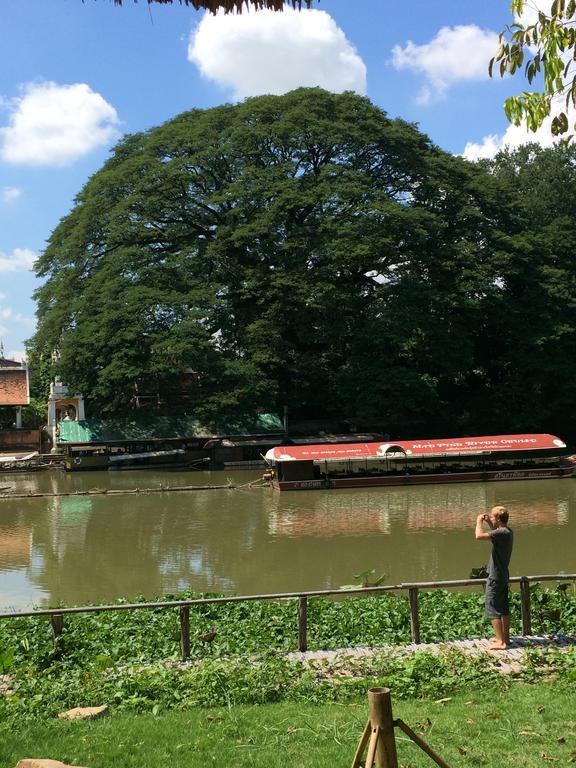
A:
[323,484]
[102,462]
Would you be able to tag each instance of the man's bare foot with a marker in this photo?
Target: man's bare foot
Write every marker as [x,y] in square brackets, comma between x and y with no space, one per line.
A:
[496,645]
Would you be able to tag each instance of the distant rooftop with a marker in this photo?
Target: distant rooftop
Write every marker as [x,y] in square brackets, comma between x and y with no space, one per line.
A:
[148,428]
[5,363]
[13,383]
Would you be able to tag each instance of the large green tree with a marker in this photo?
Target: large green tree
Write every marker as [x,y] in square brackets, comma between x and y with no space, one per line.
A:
[532,325]
[300,249]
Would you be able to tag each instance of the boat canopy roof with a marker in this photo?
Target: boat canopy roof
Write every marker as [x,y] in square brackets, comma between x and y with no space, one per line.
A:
[457,446]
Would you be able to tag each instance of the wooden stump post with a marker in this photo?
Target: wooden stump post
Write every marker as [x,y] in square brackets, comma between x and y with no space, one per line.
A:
[185,631]
[378,735]
[57,621]
[382,723]
[414,614]
[525,604]
[302,624]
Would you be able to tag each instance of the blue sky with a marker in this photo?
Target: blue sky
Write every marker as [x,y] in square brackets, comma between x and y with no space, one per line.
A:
[76,76]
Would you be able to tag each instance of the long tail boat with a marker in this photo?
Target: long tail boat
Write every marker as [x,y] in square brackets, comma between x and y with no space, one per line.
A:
[450,460]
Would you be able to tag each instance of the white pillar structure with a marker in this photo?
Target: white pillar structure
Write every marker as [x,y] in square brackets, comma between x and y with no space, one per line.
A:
[58,401]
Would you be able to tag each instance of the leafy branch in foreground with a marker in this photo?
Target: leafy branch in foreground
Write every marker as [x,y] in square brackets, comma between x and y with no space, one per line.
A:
[545,46]
[130,660]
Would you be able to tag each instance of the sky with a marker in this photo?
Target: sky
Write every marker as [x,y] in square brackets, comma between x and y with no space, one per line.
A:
[76,76]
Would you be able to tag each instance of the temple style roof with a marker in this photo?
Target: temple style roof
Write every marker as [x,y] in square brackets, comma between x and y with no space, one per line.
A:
[4,363]
[234,5]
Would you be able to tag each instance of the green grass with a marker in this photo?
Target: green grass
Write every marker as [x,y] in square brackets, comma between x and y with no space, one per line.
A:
[42,693]
[126,660]
[524,726]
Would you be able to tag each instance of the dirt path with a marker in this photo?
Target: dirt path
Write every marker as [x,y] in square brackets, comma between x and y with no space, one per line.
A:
[507,662]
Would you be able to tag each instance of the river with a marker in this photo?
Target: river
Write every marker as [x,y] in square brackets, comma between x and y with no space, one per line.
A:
[77,550]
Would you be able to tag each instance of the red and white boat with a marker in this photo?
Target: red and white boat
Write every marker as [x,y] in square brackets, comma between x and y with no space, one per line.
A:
[451,460]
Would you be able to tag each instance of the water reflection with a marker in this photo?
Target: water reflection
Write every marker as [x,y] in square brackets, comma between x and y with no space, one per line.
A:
[327,514]
[15,547]
[89,549]
[433,507]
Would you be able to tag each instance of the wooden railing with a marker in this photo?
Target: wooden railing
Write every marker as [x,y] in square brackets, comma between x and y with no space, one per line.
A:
[413,588]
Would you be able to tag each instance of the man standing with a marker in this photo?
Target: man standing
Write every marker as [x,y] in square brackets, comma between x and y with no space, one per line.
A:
[497,601]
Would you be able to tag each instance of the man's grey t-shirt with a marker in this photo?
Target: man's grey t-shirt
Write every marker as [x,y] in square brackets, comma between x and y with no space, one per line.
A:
[502,540]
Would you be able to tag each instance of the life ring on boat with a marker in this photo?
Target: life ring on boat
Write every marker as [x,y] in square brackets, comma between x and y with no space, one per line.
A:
[77,461]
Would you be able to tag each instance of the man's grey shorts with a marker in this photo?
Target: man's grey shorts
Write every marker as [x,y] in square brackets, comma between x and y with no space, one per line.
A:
[497,602]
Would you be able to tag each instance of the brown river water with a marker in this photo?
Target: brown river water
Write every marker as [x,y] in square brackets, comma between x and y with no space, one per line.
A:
[78,550]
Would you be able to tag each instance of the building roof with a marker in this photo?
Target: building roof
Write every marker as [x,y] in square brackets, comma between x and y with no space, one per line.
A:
[160,427]
[457,446]
[4,363]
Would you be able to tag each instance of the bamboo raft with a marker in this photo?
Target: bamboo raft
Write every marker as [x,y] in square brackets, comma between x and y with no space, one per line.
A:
[5,494]
[124,491]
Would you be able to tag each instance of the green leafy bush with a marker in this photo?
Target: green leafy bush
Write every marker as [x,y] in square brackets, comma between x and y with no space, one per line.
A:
[129,659]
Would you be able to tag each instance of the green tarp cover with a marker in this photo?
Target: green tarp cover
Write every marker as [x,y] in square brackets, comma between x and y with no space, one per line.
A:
[162,427]
[83,432]
[259,424]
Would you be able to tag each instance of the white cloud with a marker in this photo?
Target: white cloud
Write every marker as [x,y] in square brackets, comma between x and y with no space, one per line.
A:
[19,259]
[487,148]
[8,194]
[517,135]
[53,124]
[267,52]
[455,54]
[513,138]
[531,10]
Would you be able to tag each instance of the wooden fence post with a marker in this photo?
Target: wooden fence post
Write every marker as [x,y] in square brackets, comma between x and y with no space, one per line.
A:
[381,719]
[185,631]
[414,614]
[57,621]
[302,624]
[525,605]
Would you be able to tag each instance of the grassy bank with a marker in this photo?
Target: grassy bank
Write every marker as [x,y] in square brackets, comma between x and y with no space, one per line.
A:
[129,660]
[246,680]
[255,627]
[526,725]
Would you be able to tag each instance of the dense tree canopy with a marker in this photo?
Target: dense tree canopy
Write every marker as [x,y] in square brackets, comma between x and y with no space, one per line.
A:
[307,250]
[537,344]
